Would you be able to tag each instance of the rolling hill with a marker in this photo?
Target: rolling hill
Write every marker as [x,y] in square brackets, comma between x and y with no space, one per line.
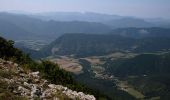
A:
[148,73]
[37,28]
[89,45]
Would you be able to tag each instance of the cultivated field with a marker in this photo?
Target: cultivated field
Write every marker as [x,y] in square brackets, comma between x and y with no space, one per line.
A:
[68,64]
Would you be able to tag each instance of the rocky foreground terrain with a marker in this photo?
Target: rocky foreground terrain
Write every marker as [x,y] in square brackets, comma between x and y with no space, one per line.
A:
[29,85]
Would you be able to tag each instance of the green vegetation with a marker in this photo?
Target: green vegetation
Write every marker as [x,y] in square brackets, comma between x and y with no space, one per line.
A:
[152,86]
[135,93]
[7,51]
[106,87]
[5,90]
[147,73]
[84,45]
[144,64]
[48,70]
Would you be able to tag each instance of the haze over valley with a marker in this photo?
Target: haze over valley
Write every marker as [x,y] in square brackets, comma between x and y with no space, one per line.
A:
[87,50]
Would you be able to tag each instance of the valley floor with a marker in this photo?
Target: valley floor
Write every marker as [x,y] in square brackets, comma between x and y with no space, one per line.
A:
[123,85]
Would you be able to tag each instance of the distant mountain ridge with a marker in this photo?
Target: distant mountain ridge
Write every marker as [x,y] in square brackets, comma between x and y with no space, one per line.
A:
[47,29]
[93,44]
[142,32]
[115,21]
[144,64]
[32,26]
[129,22]
[12,31]
[76,16]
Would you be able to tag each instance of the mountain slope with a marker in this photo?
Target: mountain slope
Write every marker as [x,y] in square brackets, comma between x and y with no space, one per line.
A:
[86,44]
[17,83]
[76,16]
[148,73]
[129,22]
[12,31]
[10,72]
[114,21]
[89,45]
[48,29]
[144,64]
[142,32]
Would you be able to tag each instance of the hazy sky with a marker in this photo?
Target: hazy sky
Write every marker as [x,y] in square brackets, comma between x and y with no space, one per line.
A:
[139,8]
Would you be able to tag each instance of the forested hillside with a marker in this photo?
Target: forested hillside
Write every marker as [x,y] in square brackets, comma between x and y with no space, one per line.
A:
[148,73]
[48,70]
[144,64]
[89,45]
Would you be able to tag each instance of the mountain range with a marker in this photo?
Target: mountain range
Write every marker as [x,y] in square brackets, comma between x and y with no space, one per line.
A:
[36,28]
[110,47]
[49,26]
[116,21]
[95,44]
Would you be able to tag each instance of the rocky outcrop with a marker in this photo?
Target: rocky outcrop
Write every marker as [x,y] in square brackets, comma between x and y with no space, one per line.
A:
[30,85]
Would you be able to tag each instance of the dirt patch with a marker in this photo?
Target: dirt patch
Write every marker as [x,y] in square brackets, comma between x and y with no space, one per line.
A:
[68,64]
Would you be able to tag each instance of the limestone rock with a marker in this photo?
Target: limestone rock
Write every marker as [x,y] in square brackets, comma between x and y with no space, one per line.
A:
[31,85]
